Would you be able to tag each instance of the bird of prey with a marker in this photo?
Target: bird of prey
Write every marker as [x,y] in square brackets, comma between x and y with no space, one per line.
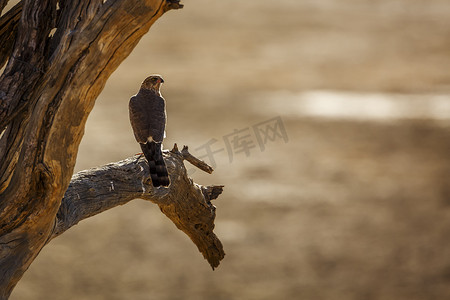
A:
[148,119]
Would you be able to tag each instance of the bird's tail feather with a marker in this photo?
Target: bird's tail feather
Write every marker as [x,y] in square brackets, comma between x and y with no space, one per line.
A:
[158,171]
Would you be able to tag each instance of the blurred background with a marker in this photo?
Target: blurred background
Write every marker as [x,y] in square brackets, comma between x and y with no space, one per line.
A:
[329,125]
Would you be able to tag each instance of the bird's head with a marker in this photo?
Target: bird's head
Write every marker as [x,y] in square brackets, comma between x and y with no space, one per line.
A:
[153,83]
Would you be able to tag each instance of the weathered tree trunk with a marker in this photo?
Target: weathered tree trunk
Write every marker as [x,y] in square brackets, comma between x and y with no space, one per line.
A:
[59,55]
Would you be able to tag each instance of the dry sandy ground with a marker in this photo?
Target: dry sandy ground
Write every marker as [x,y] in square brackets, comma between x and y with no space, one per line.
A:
[344,209]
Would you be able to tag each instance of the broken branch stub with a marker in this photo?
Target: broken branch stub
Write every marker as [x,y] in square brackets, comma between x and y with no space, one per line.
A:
[184,202]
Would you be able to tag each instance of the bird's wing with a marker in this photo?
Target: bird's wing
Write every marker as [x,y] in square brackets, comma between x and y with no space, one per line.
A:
[147,117]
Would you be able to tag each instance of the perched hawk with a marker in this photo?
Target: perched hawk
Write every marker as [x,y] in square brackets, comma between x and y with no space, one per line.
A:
[148,119]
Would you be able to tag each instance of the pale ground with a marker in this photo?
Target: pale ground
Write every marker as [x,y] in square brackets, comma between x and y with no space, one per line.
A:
[352,206]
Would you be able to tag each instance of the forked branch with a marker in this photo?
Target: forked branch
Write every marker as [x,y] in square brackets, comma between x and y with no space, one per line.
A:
[58,55]
[186,203]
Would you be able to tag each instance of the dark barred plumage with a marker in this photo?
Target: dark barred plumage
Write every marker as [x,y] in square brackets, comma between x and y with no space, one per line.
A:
[158,171]
[148,119]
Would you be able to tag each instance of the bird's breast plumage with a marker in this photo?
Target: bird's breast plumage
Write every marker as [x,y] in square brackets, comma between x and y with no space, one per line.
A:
[148,116]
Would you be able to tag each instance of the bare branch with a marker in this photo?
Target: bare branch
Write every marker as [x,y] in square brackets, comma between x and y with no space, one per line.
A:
[96,190]
[192,159]
[187,204]
[64,51]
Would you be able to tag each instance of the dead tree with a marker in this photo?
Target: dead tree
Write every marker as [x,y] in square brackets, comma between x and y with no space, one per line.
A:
[58,55]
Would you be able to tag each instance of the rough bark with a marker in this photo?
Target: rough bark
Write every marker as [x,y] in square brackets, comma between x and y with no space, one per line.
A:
[2,5]
[59,55]
[8,30]
[187,204]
